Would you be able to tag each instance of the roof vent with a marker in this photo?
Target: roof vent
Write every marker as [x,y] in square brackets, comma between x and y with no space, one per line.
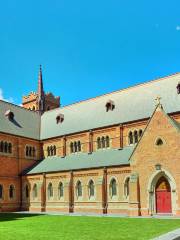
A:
[59,118]
[178,88]
[110,105]
[10,115]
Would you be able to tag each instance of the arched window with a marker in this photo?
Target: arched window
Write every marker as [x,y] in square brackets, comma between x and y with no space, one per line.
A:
[159,142]
[71,147]
[126,187]
[79,146]
[60,190]
[1,191]
[27,191]
[103,142]
[33,151]
[113,188]
[75,146]
[140,133]
[79,189]
[51,150]
[98,143]
[33,108]
[135,136]
[130,136]
[35,191]
[50,190]
[11,191]
[1,146]
[30,152]
[48,151]
[91,188]
[54,150]
[107,142]
[5,147]
[9,148]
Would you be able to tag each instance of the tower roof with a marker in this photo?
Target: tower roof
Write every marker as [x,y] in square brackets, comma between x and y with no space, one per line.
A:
[40,84]
[41,97]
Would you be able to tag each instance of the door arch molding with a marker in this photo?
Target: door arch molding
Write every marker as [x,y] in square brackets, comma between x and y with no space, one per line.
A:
[152,188]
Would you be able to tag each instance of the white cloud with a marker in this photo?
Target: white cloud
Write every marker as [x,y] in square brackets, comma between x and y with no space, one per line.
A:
[2,97]
[178,28]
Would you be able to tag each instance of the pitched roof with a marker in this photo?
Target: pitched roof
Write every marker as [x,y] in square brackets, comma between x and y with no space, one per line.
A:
[130,104]
[101,158]
[26,123]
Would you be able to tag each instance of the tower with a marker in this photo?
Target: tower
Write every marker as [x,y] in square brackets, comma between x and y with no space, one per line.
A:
[40,101]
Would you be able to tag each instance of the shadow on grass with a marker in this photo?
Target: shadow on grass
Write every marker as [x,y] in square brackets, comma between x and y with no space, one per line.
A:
[16,216]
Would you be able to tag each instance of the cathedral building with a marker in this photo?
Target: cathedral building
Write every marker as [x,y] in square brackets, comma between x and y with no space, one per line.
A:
[117,153]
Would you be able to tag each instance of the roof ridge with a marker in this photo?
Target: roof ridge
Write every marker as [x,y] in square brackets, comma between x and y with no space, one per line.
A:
[116,91]
[15,105]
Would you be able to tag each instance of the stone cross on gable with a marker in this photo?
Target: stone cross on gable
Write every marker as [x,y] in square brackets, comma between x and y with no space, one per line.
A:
[158,100]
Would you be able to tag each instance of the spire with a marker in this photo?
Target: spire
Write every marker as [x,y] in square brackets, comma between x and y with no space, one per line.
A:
[40,83]
[40,92]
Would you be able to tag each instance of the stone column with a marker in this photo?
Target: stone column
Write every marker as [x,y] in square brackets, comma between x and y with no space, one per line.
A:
[64,146]
[104,192]
[90,150]
[71,193]
[134,204]
[43,198]
[121,136]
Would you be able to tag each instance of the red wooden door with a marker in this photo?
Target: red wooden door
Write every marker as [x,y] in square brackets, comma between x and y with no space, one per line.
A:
[163,202]
[163,196]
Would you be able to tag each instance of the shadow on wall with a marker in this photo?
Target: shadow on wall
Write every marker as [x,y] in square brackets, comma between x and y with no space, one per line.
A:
[16,216]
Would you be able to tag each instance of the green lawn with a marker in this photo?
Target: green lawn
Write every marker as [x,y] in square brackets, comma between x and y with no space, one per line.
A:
[37,227]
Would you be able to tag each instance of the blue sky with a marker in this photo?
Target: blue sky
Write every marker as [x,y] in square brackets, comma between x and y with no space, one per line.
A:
[86,48]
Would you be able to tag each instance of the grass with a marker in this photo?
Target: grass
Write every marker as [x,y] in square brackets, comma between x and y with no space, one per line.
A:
[44,227]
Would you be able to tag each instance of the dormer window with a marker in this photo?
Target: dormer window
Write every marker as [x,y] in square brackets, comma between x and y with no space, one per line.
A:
[59,118]
[178,88]
[110,106]
[9,115]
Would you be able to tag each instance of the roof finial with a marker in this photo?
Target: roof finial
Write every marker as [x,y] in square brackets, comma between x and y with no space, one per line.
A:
[158,101]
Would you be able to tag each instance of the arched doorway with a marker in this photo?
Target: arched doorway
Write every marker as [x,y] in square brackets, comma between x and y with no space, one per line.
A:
[163,196]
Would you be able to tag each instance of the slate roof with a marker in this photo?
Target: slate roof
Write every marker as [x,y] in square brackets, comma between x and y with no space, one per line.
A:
[101,158]
[26,123]
[131,104]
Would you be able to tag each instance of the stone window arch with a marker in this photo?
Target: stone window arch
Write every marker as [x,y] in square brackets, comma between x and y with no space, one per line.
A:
[135,136]
[1,191]
[26,191]
[51,150]
[79,189]
[11,191]
[91,189]
[130,138]
[50,191]
[30,151]
[159,141]
[79,146]
[75,146]
[103,142]
[126,187]
[140,133]
[60,190]
[98,143]
[107,142]
[113,188]
[35,191]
